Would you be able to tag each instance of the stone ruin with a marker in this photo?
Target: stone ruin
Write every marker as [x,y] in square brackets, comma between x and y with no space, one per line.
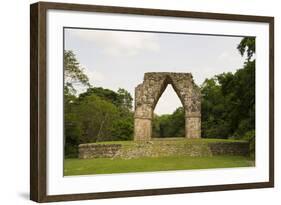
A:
[148,93]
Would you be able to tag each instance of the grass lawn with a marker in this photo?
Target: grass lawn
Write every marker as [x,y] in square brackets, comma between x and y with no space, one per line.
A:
[108,166]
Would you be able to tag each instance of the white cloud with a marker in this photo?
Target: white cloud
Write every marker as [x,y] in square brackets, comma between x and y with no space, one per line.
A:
[120,43]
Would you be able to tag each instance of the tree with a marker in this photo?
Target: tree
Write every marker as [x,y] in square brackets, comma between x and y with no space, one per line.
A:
[169,125]
[125,99]
[74,75]
[247,44]
[228,102]
[98,114]
[72,131]
[213,109]
[123,128]
[122,98]
[103,93]
[95,117]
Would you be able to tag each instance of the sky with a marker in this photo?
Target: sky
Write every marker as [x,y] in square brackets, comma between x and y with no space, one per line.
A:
[119,59]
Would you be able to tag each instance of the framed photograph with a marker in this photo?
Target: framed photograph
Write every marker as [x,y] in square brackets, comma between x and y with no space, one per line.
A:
[135,102]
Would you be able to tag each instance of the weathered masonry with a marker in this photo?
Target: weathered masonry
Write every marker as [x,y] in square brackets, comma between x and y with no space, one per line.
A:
[148,93]
[163,148]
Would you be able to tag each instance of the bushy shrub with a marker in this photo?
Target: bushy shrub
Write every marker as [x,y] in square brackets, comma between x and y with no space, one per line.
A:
[250,136]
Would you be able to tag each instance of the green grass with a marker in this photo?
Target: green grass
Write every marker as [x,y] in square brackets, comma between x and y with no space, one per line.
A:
[108,166]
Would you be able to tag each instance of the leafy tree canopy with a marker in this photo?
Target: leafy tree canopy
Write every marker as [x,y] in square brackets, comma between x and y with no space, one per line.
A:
[247,44]
[73,73]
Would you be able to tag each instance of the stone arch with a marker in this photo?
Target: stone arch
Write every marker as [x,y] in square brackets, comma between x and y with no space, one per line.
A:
[148,93]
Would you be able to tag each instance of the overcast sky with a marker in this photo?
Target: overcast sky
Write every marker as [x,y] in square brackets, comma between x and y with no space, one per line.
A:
[119,59]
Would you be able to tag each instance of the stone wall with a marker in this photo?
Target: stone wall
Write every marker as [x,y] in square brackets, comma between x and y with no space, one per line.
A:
[150,90]
[237,148]
[160,148]
[87,151]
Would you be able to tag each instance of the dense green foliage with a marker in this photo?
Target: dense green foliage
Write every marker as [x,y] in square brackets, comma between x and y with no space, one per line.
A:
[169,125]
[109,166]
[228,104]
[95,115]
[122,98]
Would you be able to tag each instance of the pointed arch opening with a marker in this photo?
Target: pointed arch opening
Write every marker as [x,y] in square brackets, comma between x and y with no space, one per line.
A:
[168,115]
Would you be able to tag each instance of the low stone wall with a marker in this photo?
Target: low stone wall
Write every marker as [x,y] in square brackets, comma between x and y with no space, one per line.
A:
[237,148]
[87,151]
[160,148]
